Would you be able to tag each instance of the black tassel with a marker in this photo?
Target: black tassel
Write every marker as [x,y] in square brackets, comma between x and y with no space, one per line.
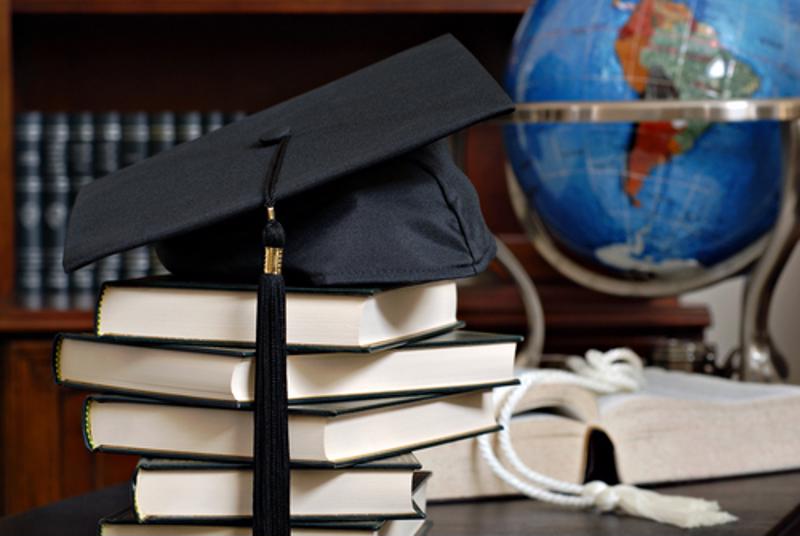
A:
[271,485]
[271,448]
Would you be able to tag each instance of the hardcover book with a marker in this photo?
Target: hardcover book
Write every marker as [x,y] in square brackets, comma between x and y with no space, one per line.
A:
[125,524]
[188,126]
[81,172]
[213,120]
[679,427]
[163,136]
[454,360]
[56,208]
[29,210]
[196,491]
[108,136]
[327,318]
[335,434]
[135,139]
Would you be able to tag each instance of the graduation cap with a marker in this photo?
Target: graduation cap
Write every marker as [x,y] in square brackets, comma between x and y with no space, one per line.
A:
[366,190]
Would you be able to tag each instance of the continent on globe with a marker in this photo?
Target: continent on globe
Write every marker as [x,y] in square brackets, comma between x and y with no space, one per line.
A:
[666,53]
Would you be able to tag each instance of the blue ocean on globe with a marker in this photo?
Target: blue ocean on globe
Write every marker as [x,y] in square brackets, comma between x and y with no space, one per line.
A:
[660,198]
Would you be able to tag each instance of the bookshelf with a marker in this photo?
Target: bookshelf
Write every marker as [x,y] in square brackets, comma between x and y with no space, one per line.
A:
[271,6]
[202,54]
[152,55]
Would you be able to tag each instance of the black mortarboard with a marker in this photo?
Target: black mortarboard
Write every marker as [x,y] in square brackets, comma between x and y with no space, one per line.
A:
[367,191]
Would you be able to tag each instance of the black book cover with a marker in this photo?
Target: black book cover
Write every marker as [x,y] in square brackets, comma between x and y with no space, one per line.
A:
[29,210]
[128,517]
[134,148]
[236,115]
[80,160]
[56,208]
[108,137]
[163,136]
[188,126]
[213,120]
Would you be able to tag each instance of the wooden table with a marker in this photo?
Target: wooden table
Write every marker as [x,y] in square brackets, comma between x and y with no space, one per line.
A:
[766,505]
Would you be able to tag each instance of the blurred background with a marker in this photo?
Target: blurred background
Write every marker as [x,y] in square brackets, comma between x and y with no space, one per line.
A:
[141,76]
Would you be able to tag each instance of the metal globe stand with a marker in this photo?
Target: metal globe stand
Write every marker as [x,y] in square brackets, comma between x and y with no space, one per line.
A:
[758,358]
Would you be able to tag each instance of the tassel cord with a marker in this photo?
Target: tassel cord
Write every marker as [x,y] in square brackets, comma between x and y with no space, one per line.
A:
[601,372]
[271,485]
[271,456]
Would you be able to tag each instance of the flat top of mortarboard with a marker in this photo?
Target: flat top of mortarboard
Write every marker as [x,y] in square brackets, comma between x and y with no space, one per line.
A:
[373,115]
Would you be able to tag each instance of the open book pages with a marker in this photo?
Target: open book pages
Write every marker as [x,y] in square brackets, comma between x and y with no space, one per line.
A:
[679,427]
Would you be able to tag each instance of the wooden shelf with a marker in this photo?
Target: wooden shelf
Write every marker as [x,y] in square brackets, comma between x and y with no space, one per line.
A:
[16,320]
[270,6]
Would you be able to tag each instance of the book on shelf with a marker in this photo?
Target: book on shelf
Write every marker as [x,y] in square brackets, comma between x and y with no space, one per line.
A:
[326,318]
[188,126]
[213,120]
[134,148]
[29,209]
[333,434]
[178,490]
[125,524]
[107,145]
[56,207]
[679,427]
[454,360]
[163,136]
[234,116]
[81,172]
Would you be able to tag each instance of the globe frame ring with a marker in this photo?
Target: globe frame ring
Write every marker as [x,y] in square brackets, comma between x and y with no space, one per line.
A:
[713,111]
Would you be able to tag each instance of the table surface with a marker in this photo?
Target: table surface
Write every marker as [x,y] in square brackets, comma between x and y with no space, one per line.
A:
[765,505]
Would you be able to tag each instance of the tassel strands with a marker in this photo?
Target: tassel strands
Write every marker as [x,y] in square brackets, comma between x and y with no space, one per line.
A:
[617,370]
[271,484]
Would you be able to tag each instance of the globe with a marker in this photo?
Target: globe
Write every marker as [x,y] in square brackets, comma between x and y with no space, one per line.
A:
[662,199]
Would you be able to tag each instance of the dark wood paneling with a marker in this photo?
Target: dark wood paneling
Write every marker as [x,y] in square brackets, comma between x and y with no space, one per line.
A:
[270,6]
[765,505]
[6,148]
[31,428]
[15,320]
[227,61]
[43,452]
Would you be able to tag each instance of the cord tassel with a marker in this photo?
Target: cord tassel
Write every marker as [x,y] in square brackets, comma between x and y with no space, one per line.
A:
[617,370]
[271,450]
[271,484]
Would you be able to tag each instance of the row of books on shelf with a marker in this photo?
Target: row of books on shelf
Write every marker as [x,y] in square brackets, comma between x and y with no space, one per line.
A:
[373,375]
[58,153]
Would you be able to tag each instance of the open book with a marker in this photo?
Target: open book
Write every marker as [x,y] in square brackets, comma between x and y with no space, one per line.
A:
[679,427]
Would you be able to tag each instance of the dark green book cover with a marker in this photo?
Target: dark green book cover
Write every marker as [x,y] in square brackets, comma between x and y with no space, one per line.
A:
[441,340]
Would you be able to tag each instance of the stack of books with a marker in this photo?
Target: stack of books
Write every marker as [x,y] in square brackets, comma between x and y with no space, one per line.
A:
[373,375]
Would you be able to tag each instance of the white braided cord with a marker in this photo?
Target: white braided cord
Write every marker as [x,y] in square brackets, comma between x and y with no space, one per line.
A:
[614,371]
[617,370]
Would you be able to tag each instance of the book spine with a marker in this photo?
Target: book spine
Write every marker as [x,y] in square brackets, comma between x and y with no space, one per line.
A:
[134,148]
[56,209]
[189,126]
[236,115]
[108,135]
[162,137]
[212,121]
[81,172]
[29,203]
